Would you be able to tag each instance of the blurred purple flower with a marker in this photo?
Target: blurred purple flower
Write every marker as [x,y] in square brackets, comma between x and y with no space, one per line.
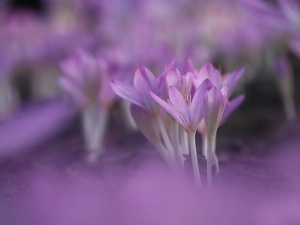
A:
[84,79]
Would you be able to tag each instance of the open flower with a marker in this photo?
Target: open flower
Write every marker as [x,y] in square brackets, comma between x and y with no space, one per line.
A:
[209,71]
[186,109]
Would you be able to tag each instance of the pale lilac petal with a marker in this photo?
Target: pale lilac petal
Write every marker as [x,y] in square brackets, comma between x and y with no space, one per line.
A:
[74,90]
[197,110]
[143,77]
[144,81]
[206,71]
[186,83]
[213,74]
[224,92]
[231,80]
[191,66]
[178,101]
[172,78]
[169,67]
[126,92]
[214,105]
[231,107]
[171,110]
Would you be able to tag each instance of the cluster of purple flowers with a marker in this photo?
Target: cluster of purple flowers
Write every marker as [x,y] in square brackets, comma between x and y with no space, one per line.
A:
[90,49]
[170,108]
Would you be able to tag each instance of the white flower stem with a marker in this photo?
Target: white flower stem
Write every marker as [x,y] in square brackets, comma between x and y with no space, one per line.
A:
[214,155]
[210,150]
[184,139]
[194,157]
[128,118]
[204,145]
[165,136]
[94,119]
[176,143]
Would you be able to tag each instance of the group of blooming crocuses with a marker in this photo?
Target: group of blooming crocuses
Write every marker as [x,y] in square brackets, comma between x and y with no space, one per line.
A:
[170,108]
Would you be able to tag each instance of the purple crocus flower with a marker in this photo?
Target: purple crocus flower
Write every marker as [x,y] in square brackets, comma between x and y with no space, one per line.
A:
[215,103]
[144,81]
[86,80]
[186,109]
[83,78]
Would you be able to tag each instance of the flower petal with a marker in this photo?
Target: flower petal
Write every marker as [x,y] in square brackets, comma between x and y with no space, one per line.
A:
[197,110]
[126,92]
[171,110]
[214,105]
[172,78]
[177,100]
[231,80]
[144,81]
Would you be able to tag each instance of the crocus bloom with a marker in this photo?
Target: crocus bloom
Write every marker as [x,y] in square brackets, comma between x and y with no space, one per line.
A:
[214,105]
[186,109]
[216,101]
[143,81]
[85,79]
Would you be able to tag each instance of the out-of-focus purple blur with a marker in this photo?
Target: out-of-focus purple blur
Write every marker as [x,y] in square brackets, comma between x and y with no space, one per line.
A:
[44,175]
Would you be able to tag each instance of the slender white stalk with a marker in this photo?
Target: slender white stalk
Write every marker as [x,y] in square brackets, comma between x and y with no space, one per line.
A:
[184,140]
[204,145]
[215,160]
[165,136]
[176,143]
[128,118]
[94,119]
[194,157]
[210,149]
